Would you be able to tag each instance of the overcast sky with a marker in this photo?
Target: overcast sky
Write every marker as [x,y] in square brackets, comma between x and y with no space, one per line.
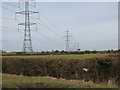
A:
[93,25]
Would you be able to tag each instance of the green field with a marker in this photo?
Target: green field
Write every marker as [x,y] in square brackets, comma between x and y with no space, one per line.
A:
[14,81]
[71,56]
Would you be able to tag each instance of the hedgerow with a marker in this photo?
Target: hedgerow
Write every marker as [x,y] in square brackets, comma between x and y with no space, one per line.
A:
[100,69]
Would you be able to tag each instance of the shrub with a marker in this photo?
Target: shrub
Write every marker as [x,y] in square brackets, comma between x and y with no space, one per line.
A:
[101,69]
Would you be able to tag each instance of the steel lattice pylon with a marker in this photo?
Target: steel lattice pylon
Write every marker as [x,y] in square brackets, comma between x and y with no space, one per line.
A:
[27,43]
[67,40]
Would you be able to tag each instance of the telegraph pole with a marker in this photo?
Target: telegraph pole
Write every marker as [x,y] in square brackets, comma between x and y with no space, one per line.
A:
[27,43]
[67,41]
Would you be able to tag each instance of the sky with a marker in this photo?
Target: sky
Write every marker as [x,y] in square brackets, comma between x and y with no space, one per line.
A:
[94,25]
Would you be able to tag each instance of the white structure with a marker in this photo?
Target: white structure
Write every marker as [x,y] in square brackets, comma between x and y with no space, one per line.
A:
[85,69]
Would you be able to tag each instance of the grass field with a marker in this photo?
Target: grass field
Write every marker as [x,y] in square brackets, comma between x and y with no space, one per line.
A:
[14,81]
[71,56]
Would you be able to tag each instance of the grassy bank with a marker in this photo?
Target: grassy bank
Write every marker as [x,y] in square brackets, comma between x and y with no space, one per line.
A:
[15,81]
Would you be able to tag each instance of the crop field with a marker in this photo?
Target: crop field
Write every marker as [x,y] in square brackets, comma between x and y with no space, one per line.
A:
[15,81]
[70,56]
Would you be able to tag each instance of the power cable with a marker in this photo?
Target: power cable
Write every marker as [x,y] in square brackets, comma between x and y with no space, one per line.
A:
[11,5]
[7,9]
[48,20]
[46,26]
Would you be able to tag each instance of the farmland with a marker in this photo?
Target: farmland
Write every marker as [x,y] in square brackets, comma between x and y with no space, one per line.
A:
[103,69]
[59,45]
[70,56]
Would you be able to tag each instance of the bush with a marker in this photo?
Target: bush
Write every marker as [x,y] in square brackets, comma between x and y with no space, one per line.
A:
[101,69]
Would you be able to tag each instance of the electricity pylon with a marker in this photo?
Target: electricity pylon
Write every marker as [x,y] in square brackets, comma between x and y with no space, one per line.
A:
[27,43]
[67,41]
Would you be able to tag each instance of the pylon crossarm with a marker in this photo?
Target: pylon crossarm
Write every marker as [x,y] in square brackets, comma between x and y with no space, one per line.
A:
[24,12]
[27,24]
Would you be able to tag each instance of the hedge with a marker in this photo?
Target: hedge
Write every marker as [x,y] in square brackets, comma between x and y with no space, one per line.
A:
[100,70]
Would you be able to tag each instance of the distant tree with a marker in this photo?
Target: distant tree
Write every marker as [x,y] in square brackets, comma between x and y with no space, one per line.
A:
[108,51]
[3,51]
[78,49]
[81,52]
[87,51]
[62,52]
[56,51]
[112,50]
[43,52]
[47,53]
[94,51]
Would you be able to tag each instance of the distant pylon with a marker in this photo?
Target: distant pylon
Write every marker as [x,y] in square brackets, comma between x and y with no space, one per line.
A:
[78,47]
[27,43]
[67,41]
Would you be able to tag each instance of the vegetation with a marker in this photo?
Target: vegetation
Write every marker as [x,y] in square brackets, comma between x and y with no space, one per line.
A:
[15,81]
[56,52]
[101,69]
[68,56]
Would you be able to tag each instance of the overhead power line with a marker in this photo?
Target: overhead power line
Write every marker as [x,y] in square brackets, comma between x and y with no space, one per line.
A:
[7,30]
[8,27]
[39,41]
[49,21]
[11,5]
[8,18]
[46,26]
[27,37]
[15,29]
[46,37]
[7,8]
